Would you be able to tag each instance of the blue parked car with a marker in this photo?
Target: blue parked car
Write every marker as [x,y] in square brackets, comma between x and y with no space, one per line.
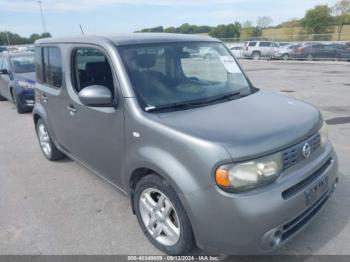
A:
[17,80]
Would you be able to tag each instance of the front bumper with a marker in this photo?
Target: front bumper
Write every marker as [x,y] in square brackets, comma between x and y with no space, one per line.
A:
[259,221]
[26,97]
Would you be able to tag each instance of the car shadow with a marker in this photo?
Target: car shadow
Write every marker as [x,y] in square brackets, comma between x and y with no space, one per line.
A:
[65,160]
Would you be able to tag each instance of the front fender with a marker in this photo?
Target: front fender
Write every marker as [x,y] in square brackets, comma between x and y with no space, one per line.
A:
[162,163]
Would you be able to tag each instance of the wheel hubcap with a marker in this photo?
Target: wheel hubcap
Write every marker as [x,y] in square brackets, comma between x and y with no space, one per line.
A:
[44,139]
[159,217]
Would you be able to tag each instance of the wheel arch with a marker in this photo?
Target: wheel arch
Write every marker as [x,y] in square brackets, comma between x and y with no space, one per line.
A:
[11,89]
[36,118]
[39,113]
[144,170]
[135,178]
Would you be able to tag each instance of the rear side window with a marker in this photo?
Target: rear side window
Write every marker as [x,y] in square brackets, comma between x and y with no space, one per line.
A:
[52,66]
[39,65]
[265,44]
[252,44]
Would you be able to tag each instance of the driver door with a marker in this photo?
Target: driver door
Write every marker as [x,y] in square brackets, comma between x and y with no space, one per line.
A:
[97,133]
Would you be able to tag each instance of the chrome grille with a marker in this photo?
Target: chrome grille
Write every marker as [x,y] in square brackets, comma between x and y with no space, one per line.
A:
[293,155]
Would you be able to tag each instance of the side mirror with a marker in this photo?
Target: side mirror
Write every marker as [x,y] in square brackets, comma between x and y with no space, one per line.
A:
[96,96]
[4,72]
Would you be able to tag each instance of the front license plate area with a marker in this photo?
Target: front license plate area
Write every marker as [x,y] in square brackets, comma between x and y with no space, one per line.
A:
[312,194]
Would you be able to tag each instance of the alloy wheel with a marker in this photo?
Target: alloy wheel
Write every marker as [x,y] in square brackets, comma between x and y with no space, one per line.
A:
[44,140]
[159,216]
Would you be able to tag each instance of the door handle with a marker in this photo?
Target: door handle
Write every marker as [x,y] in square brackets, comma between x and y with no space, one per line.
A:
[71,110]
[44,98]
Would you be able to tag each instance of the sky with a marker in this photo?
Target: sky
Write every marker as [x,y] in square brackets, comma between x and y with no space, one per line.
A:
[98,17]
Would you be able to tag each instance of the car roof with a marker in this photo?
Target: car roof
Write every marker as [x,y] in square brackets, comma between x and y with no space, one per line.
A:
[129,39]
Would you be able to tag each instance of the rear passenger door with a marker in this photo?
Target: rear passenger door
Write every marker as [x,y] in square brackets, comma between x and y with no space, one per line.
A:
[265,48]
[50,93]
[97,133]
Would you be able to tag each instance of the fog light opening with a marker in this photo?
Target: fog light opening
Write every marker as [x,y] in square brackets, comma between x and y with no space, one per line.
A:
[276,238]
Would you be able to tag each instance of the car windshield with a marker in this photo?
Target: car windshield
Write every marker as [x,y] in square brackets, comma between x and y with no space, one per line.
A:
[166,76]
[23,64]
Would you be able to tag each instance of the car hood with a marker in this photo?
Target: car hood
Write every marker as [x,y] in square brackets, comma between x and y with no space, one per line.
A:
[252,126]
[29,77]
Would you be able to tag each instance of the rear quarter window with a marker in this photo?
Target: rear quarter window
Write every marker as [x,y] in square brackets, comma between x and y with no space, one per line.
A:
[52,59]
[265,44]
[39,65]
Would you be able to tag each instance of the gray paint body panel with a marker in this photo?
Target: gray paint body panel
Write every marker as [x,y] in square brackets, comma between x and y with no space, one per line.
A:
[186,147]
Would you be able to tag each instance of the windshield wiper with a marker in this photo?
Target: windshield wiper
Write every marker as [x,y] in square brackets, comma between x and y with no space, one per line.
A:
[171,106]
[194,103]
[227,96]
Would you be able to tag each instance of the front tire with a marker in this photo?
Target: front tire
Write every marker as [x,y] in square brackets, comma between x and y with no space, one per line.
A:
[162,216]
[20,109]
[285,57]
[50,151]
[2,98]
[208,56]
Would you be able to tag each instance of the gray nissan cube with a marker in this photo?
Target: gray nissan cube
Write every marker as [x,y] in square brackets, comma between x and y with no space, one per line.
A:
[206,158]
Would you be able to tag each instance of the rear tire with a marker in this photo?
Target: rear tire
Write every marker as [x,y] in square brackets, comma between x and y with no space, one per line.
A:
[162,216]
[256,55]
[50,151]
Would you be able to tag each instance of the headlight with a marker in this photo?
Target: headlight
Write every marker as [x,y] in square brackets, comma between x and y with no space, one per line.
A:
[324,134]
[25,85]
[248,175]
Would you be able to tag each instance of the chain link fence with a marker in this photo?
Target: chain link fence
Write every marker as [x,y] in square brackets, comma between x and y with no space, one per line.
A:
[292,47]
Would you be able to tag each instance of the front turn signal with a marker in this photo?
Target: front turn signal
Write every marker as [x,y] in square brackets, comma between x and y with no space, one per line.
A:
[222,177]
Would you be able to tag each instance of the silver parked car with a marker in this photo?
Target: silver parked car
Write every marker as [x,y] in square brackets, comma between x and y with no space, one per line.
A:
[206,158]
[258,49]
[286,52]
[237,50]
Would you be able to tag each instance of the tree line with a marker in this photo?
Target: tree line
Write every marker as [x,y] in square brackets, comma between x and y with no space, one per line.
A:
[318,20]
[9,38]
